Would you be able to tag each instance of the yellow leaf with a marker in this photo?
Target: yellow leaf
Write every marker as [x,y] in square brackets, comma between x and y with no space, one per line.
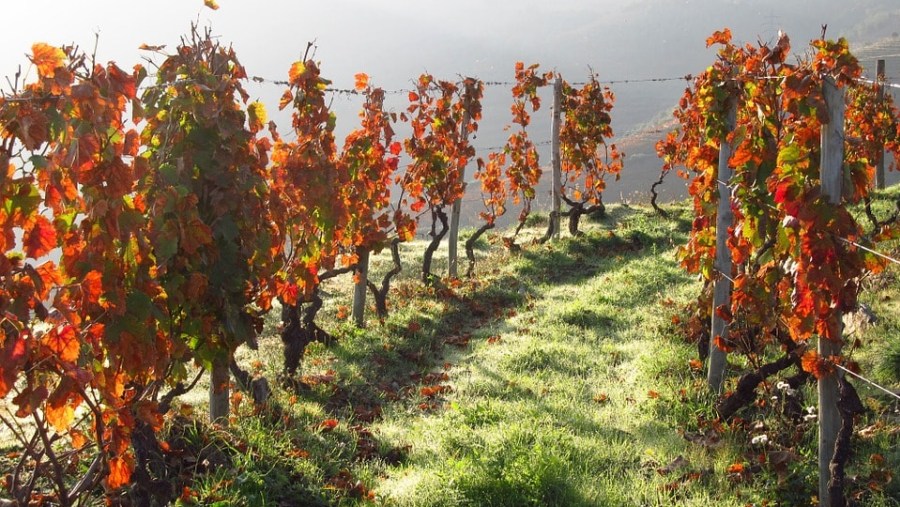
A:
[212,4]
[257,113]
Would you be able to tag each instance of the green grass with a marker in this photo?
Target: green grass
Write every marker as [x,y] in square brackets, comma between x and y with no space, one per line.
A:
[572,389]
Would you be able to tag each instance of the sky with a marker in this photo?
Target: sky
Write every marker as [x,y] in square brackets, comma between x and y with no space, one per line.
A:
[396,40]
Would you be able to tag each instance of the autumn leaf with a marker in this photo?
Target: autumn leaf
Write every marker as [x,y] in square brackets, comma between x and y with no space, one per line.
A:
[735,468]
[298,70]
[12,357]
[212,4]
[719,37]
[63,341]
[92,286]
[362,81]
[814,364]
[59,412]
[78,439]
[196,286]
[724,313]
[328,425]
[257,115]
[40,238]
[47,58]
[652,394]
[120,468]
[721,344]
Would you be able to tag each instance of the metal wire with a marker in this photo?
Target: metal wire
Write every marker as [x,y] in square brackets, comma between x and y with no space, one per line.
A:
[867,381]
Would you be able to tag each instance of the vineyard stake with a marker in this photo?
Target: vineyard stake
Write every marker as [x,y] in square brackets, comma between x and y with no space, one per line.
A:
[218,392]
[723,264]
[831,176]
[453,241]
[879,162]
[359,288]
[555,156]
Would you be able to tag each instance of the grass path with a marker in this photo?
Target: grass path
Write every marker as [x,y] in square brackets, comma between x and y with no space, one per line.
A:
[562,401]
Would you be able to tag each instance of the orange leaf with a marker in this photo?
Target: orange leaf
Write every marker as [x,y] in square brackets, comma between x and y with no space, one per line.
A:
[735,468]
[298,70]
[78,438]
[719,37]
[362,81]
[40,238]
[695,364]
[653,394]
[92,286]
[722,344]
[212,4]
[120,469]
[47,58]
[63,341]
[724,313]
[815,364]
[59,414]
[328,425]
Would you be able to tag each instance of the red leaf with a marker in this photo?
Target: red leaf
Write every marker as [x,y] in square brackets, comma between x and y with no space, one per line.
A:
[724,313]
[40,239]
[12,357]
[63,341]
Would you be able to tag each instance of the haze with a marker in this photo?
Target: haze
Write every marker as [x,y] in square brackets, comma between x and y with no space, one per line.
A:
[394,41]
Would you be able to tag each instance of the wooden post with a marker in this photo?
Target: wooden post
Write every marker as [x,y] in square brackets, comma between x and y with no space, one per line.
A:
[359,289]
[831,175]
[555,156]
[218,392]
[452,246]
[723,264]
[879,161]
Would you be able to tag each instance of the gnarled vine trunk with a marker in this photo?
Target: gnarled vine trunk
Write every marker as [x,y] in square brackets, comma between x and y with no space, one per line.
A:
[470,246]
[380,293]
[438,216]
